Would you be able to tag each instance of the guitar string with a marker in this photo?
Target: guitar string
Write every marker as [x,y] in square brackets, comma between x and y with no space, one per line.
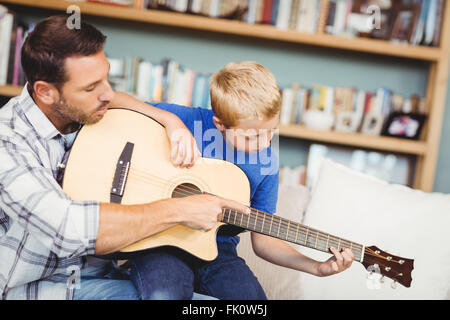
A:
[331,239]
[284,224]
[195,191]
[187,191]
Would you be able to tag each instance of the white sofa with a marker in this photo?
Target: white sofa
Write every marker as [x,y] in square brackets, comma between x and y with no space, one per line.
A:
[354,206]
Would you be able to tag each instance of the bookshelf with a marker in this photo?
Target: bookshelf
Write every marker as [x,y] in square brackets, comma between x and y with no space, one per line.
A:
[425,150]
[10,90]
[265,32]
[355,139]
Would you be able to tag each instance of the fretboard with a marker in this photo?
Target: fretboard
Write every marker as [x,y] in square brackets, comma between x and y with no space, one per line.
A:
[284,229]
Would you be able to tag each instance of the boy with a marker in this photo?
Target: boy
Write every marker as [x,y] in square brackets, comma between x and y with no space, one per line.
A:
[246,102]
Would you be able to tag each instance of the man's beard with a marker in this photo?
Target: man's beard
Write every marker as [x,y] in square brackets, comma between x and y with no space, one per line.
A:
[69,112]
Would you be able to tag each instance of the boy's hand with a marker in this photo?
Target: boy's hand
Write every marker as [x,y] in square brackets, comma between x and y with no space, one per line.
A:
[184,152]
[338,263]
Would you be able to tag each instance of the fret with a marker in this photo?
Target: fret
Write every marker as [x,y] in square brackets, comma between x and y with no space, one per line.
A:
[291,235]
[248,219]
[262,225]
[256,220]
[235,215]
[328,240]
[306,236]
[345,244]
[271,222]
[279,225]
[227,213]
[287,231]
[296,234]
[317,237]
[339,245]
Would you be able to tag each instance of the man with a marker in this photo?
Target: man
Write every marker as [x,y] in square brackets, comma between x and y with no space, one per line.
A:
[46,239]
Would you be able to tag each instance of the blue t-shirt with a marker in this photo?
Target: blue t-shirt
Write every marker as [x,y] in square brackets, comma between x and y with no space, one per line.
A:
[262,169]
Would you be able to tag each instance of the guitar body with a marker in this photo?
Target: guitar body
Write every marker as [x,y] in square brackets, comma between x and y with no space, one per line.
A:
[92,165]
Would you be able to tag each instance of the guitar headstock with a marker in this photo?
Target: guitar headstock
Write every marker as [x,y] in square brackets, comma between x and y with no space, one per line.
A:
[396,268]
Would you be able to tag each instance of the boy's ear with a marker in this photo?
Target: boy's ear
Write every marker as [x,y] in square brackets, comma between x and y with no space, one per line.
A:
[46,92]
[219,124]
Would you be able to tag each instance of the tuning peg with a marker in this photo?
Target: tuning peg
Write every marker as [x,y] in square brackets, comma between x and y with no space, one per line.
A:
[382,279]
[394,285]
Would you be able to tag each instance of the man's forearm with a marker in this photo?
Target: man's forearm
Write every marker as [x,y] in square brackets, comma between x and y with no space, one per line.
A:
[122,225]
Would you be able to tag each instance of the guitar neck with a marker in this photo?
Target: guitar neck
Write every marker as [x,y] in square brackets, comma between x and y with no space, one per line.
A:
[284,229]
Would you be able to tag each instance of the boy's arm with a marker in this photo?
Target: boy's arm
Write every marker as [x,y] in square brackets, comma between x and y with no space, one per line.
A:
[184,151]
[281,253]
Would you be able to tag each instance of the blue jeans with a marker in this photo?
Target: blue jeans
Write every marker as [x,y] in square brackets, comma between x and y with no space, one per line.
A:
[171,274]
[111,284]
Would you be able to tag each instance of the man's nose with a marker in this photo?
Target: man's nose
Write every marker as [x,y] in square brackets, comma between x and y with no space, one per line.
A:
[108,94]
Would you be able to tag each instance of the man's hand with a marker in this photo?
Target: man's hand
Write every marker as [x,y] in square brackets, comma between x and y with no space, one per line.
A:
[201,212]
[338,263]
[184,152]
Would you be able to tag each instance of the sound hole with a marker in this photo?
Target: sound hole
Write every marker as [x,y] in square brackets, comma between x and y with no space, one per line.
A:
[184,190]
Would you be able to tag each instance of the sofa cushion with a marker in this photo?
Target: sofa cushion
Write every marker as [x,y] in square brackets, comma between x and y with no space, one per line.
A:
[279,283]
[397,219]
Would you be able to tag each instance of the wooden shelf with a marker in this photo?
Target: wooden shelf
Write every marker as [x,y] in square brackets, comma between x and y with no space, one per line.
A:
[355,139]
[302,132]
[10,90]
[240,29]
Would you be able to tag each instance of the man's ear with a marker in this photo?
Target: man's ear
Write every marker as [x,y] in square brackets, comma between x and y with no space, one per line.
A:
[46,92]
[219,124]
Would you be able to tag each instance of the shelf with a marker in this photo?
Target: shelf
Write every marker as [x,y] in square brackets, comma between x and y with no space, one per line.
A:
[10,90]
[239,28]
[355,140]
[334,137]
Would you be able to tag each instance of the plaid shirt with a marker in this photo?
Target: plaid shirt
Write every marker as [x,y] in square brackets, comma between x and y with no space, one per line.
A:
[44,235]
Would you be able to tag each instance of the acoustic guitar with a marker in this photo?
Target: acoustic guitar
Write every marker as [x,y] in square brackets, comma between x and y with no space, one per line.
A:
[125,158]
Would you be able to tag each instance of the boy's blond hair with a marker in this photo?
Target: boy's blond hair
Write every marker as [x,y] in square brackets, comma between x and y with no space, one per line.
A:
[244,91]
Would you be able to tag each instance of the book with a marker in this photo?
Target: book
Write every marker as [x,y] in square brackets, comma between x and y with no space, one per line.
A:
[340,17]
[431,22]
[293,17]
[286,106]
[251,12]
[302,104]
[267,12]
[438,26]
[12,50]
[122,3]
[419,26]
[143,84]
[295,90]
[17,55]
[323,13]
[6,27]
[275,8]
[283,14]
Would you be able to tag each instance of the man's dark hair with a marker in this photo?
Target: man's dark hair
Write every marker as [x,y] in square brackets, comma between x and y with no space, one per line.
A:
[51,42]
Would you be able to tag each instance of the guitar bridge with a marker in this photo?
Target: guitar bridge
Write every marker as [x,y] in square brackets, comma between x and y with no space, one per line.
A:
[121,173]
